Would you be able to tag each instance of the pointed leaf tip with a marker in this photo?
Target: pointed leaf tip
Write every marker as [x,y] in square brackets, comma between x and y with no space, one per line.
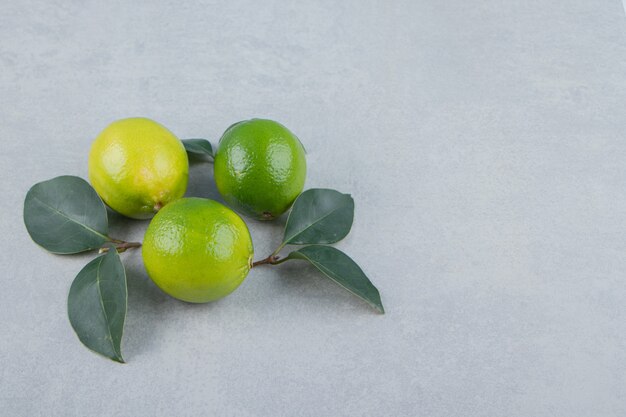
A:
[97,303]
[340,268]
[319,216]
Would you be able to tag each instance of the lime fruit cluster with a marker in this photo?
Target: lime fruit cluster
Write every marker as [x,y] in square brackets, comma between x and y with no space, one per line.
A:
[194,249]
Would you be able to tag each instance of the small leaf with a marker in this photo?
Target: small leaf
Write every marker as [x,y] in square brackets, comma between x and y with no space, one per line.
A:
[319,216]
[96,305]
[338,266]
[65,215]
[198,147]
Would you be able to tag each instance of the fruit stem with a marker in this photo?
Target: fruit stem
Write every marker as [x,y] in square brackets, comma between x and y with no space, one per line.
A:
[121,246]
[270,260]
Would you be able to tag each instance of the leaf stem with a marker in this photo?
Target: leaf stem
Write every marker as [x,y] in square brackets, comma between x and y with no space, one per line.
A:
[121,246]
[270,260]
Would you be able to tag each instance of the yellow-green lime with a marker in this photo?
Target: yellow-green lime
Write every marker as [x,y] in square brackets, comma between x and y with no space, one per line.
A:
[138,166]
[260,168]
[197,250]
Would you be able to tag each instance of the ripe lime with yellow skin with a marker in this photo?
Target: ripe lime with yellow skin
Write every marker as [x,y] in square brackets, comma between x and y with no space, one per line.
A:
[197,250]
[260,168]
[138,166]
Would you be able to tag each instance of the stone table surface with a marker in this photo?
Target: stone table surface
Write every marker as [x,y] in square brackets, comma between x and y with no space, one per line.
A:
[483,142]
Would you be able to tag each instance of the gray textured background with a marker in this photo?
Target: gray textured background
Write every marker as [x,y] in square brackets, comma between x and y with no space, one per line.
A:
[483,142]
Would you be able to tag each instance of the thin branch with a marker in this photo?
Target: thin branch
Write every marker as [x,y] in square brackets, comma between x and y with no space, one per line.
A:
[270,260]
[120,246]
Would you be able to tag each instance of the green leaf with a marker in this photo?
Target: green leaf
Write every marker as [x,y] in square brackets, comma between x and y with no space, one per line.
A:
[319,216]
[65,215]
[338,266]
[199,147]
[96,305]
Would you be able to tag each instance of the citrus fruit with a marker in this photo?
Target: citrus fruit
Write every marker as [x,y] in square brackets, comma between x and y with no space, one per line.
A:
[260,168]
[197,250]
[137,166]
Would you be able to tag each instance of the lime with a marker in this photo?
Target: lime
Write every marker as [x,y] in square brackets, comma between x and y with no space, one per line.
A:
[260,168]
[197,250]
[137,166]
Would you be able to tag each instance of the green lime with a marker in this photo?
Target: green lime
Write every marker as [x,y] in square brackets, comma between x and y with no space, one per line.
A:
[197,250]
[260,168]
[137,166]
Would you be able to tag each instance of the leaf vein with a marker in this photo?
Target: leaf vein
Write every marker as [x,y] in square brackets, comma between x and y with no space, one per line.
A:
[69,218]
[106,316]
[315,221]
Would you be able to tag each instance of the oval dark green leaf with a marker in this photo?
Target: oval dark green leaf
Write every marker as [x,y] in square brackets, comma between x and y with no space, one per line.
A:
[198,147]
[319,216]
[340,268]
[96,305]
[65,215]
